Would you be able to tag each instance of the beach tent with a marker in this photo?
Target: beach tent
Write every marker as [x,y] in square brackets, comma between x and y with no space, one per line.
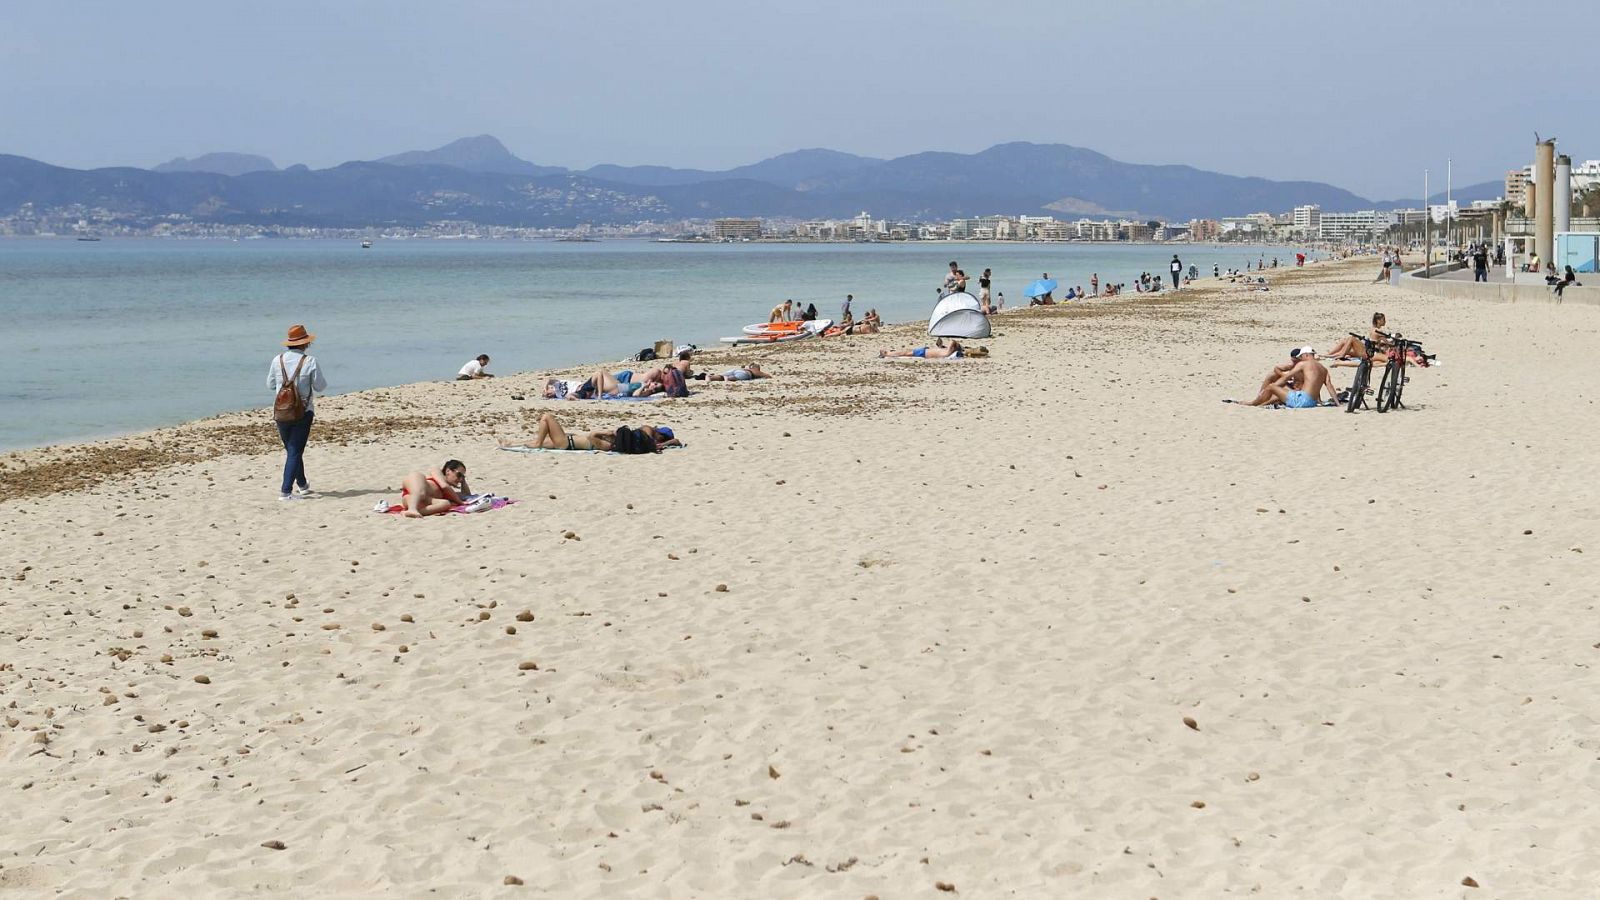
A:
[958,315]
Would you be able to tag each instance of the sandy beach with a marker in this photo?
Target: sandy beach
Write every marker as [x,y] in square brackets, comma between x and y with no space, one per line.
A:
[1055,623]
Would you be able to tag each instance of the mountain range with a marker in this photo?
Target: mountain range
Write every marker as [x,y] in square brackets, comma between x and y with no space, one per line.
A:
[478,180]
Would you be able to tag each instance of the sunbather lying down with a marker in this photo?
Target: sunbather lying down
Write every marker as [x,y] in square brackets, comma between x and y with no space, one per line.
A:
[551,436]
[938,351]
[604,385]
[433,493]
[747,372]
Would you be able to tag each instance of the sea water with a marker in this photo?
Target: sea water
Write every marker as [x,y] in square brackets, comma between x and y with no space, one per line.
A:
[116,336]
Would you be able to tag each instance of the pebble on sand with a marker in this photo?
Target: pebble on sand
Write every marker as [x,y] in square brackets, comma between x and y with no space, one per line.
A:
[528,665]
[274,845]
[525,616]
[202,679]
[513,880]
[721,588]
[1189,721]
[1469,881]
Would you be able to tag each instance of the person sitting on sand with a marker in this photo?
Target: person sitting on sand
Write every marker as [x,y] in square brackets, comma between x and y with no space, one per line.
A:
[474,369]
[746,372]
[1350,351]
[433,494]
[1297,384]
[939,351]
[869,324]
[781,312]
[549,435]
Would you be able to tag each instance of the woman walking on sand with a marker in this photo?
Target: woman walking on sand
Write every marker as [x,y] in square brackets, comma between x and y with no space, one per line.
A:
[294,377]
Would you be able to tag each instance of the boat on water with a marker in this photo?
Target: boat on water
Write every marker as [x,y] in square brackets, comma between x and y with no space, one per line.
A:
[366,245]
[88,237]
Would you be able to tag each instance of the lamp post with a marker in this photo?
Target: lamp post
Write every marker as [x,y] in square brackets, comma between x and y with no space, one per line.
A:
[1427,230]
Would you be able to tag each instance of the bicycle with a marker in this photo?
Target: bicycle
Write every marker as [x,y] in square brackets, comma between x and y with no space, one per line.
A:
[1393,385]
[1358,388]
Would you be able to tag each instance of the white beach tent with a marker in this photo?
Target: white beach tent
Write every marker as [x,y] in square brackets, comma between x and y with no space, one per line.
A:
[958,315]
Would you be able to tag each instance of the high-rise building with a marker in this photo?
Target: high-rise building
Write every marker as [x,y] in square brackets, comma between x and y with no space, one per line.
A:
[1516,182]
[736,229]
[1307,219]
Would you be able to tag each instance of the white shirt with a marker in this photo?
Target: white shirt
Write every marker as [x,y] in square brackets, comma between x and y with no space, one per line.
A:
[472,369]
[310,375]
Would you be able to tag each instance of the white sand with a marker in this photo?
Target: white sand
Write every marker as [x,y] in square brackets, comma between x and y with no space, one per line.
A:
[968,609]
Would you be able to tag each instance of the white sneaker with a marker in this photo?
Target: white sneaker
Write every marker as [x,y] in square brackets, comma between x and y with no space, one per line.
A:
[305,492]
[282,497]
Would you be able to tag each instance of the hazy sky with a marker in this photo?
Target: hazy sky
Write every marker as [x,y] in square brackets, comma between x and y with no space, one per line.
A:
[1360,94]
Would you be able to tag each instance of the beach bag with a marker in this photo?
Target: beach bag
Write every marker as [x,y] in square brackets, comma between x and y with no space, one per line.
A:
[289,406]
[673,381]
[645,355]
[633,440]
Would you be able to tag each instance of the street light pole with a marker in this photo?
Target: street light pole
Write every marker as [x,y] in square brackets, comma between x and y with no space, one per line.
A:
[1427,230]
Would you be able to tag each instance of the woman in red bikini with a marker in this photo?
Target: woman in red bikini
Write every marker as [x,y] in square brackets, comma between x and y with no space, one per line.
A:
[424,494]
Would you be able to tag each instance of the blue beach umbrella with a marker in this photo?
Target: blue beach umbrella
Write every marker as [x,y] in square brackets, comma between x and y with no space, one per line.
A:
[1040,288]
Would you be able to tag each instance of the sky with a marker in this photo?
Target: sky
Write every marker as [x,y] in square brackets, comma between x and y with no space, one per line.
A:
[1364,95]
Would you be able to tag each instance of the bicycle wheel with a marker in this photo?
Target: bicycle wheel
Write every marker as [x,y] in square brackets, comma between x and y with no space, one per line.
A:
[1358,388]
[1389,387]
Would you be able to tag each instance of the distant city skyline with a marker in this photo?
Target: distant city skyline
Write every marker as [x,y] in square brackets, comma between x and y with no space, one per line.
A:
[1363,96]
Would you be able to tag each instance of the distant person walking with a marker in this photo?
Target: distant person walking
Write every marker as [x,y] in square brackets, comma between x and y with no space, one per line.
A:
[294,377]
[1094,284]
[1480,263]
[983,291]
[1177,270]
[844,311]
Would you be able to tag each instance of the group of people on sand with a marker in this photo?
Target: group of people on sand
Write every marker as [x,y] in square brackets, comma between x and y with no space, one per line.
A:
[847,323]
[295,378]
[1303,381]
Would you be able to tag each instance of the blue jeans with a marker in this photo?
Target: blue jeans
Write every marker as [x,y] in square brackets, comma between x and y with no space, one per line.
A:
[294,436]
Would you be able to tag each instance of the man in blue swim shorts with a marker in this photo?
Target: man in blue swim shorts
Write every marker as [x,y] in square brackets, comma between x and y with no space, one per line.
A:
[1297,384]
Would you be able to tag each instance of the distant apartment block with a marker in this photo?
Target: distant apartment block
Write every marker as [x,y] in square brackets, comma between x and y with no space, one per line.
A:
[1517,181]
[1346,226]
[736,229]
[1307,219]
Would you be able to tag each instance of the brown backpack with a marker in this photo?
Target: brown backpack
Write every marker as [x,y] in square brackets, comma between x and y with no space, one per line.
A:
[289,406]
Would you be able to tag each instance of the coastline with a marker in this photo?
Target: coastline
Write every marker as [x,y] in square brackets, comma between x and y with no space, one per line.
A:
[356,415]
[532,307]
[879,627]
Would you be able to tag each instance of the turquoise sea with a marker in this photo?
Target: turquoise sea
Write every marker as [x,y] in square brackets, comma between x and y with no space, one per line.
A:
[117,336]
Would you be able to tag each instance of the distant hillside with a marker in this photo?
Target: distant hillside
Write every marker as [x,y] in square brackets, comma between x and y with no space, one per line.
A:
[483,153]
[789,170]
[1069,181]
[1463,196]
[478,180]
[219,164]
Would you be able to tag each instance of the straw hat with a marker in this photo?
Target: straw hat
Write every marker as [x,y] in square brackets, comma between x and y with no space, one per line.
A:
[298,336]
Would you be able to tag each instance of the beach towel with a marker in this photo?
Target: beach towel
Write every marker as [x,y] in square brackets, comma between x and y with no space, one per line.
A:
[923,359]
[565,450]
[471,503]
